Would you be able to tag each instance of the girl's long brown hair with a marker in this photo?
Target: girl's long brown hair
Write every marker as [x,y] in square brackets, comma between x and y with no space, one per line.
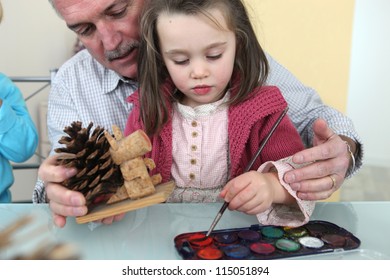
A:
[251,64]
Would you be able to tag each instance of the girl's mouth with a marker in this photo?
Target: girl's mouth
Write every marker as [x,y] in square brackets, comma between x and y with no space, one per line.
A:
[201,90]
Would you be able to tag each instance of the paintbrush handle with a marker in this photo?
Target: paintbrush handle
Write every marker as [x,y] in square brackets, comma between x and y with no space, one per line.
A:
[249,166]
[217,218]
[265,140]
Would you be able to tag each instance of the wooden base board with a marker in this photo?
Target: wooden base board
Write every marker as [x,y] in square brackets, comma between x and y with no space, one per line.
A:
[161,195]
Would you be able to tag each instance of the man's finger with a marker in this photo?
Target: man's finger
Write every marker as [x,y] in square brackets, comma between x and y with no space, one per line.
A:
[316,170]
[325,151]
[62,195]
[49,171]
[59,221]
[66,210]
[322,132]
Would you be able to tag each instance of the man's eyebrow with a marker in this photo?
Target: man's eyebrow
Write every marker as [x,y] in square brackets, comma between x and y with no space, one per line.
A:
[110,7]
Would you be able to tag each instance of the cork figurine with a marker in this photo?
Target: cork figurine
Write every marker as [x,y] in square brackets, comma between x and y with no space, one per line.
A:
[128,153]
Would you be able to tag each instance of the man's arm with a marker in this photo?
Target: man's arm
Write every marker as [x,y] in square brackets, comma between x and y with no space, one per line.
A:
[60,114]
[328,157]
[77,94]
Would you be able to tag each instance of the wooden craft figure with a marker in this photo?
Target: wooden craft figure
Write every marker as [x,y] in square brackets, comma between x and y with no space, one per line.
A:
[128,152]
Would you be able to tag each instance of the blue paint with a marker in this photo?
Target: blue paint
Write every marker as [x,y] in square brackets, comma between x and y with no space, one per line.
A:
[236,251]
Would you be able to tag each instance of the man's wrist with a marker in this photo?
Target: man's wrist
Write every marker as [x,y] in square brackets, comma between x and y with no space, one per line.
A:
[39,194]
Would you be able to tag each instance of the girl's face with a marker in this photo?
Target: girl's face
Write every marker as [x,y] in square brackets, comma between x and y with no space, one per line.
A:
[198,54]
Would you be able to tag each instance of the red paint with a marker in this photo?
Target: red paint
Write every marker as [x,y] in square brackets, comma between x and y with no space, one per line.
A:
[199,240]
[210,253]
[262,248]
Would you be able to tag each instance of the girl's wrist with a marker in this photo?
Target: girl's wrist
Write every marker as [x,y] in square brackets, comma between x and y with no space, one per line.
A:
[281,195]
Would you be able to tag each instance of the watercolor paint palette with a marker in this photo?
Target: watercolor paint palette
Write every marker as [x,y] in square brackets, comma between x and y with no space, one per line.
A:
[266,242]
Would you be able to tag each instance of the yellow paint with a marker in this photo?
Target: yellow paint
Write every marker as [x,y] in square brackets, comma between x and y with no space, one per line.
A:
[311,38]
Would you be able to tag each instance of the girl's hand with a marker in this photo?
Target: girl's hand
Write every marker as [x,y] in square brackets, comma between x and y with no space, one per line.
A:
[253,192]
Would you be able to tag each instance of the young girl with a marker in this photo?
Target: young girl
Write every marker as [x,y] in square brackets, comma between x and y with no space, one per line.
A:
[203,103]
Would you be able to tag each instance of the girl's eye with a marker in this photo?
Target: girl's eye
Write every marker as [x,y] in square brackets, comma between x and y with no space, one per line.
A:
[181,62]
[214,57]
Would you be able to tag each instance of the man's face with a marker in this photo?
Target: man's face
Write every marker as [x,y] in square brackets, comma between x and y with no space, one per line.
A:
[109,29]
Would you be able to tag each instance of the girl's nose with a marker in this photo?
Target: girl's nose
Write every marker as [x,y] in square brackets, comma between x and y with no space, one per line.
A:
[199,71]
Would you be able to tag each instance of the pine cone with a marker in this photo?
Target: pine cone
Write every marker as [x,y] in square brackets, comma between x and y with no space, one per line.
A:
[98,177]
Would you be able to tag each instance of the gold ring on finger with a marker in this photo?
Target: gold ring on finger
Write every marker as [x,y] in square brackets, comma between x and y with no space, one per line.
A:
[333,181]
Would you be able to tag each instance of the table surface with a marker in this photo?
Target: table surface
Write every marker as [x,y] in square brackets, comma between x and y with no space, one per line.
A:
[149,233]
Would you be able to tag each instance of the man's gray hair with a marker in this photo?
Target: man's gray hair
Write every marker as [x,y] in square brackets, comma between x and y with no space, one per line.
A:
[54,7]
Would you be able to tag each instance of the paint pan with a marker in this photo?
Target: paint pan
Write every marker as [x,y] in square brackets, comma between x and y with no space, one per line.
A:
[258,242]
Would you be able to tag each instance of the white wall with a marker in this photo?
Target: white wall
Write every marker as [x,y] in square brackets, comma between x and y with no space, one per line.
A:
[33,40]
[369,86]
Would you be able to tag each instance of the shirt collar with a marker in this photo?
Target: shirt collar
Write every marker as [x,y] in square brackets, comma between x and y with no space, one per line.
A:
[111,80]
[202,110]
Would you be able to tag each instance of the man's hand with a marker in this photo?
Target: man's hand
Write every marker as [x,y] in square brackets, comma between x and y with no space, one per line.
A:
[62,201]
[329,159]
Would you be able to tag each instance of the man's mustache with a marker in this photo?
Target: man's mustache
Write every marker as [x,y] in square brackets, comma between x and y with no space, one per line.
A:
[122,51]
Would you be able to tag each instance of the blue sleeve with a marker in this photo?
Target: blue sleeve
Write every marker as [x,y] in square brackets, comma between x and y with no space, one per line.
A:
[18,134]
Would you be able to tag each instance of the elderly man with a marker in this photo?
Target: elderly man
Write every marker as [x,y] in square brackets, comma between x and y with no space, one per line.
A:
[93,86]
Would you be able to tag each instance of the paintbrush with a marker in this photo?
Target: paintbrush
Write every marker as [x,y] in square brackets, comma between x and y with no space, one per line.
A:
[249,166]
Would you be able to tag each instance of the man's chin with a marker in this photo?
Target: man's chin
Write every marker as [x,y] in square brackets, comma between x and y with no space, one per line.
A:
[126,67]
[127,72]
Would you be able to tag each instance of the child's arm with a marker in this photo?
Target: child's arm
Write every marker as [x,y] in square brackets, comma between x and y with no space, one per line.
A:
[19,137]
[265,194]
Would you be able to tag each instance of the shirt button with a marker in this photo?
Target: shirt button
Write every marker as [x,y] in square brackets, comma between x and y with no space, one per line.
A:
[194,148]
[194,134]
[194,124]
[192,176]
[193,161]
